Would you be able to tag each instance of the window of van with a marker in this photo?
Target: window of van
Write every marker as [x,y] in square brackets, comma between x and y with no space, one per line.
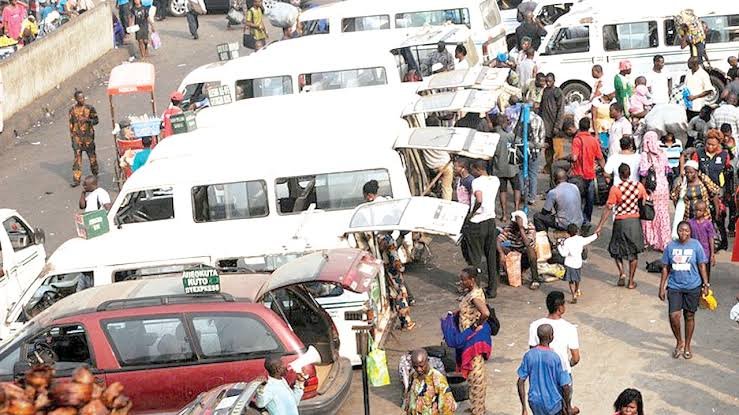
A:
[350,78]
[573,39]
[628,36]
[20,236]
[433,18]
[315,27]
[264,87]
[552,12]
[331,191]
[722,28]
[151,272]
[364,23]
[490,14]
[229,201]
[146,206]
[198,91]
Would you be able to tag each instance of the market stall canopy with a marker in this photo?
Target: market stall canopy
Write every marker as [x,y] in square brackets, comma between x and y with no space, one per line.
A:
[466,100]
[476,77]
[130,78]
[465,142]
[414,214]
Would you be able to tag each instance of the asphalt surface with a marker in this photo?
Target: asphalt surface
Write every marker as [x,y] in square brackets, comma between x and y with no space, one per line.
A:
[624,335]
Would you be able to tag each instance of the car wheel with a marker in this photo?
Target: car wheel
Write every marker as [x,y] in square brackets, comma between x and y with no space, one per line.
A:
[177,8]
[576,92]
[718,86]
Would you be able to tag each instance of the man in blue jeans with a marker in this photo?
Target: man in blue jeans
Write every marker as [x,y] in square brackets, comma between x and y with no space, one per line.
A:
[537,142]
[586,153]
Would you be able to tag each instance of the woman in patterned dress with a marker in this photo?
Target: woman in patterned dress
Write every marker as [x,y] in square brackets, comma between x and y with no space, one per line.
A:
[657,232]
[473,312]
[698,187]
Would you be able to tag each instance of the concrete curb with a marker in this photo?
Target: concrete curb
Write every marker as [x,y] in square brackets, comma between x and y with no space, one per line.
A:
[29,117]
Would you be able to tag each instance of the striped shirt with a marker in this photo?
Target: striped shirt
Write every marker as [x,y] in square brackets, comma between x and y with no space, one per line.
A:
[725,114]
[673,153]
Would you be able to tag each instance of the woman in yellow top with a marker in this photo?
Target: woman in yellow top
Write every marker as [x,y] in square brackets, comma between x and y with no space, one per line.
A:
[255,24]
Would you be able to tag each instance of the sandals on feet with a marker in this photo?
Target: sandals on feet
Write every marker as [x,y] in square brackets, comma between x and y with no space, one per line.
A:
[631,287]
[574,300]
[687,355]
[621,280]
[677,352]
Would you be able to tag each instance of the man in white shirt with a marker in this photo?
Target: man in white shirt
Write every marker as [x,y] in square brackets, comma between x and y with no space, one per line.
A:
[699,86]
[620,128]
[440,163]
[460,54]
[93,197]
[658,82]
[627,155]
[479,230]
[566,343]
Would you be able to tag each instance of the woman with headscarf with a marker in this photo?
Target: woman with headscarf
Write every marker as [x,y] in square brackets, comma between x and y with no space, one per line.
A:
[695,186]
[622,85]
[657,232]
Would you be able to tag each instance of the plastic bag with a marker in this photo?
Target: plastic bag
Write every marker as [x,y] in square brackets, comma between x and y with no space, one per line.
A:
[156,41]
[543,247]
[377,368]
[282,15]
[235,17]
[513,268]
[709,302]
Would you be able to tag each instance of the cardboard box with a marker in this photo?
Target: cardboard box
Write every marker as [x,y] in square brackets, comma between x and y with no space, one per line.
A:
[92,224]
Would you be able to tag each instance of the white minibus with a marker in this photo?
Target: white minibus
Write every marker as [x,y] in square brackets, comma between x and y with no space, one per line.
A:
[480,16]
[605,34]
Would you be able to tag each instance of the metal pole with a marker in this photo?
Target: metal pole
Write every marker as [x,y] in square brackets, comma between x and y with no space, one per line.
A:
[362,338]
[525,120]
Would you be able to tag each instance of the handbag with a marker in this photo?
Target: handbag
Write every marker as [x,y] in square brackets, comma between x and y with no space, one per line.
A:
[249,41]
[493,321]
[646,210]
[650,180]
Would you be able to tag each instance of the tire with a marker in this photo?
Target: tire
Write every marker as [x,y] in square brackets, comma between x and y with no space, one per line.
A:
[177,8]
[576,92]
[718,85]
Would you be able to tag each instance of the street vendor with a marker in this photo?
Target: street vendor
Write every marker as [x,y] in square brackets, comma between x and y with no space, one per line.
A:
[519,236]
[175,99]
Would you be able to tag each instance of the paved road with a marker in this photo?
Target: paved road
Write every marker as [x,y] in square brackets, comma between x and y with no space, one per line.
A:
[625,339]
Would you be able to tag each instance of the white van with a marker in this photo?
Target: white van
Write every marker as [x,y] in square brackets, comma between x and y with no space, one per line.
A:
[480,16]
[22,257]
[608,33]
[292,67]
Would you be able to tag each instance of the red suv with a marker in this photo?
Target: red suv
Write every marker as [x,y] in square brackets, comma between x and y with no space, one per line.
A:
[166,347]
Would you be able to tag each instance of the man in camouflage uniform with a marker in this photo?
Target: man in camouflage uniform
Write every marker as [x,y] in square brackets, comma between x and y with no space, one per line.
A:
[82,118]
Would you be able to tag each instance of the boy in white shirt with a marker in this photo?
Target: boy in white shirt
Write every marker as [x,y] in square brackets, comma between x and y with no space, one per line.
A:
[571,249]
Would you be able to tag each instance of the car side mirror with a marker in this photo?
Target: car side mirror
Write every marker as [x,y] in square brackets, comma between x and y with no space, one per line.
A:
[39,236]
[20,368]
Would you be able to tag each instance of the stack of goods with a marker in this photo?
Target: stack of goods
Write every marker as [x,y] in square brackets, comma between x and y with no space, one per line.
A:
[37,394]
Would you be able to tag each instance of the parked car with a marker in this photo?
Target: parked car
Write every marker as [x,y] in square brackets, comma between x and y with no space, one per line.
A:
[166,347]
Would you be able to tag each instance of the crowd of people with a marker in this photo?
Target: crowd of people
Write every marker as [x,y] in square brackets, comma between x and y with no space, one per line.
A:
[672,192]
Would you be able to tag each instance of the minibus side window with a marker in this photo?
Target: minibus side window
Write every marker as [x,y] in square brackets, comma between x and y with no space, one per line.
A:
[331,191]
[315,27]
[722,28]
[146,206]
[350,78]
[364,23]
[229,201]
[551,13]
[629,36]
[575,39]
[263,87]
[433,18]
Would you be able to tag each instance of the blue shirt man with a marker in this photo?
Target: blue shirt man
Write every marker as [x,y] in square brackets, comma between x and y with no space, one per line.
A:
[549,389]
[143,155]
[275,395]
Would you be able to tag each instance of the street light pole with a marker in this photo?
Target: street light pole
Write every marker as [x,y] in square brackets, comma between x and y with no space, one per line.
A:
[362,337]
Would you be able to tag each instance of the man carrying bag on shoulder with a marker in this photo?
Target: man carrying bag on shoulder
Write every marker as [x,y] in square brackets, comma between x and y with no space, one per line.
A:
[194,8]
